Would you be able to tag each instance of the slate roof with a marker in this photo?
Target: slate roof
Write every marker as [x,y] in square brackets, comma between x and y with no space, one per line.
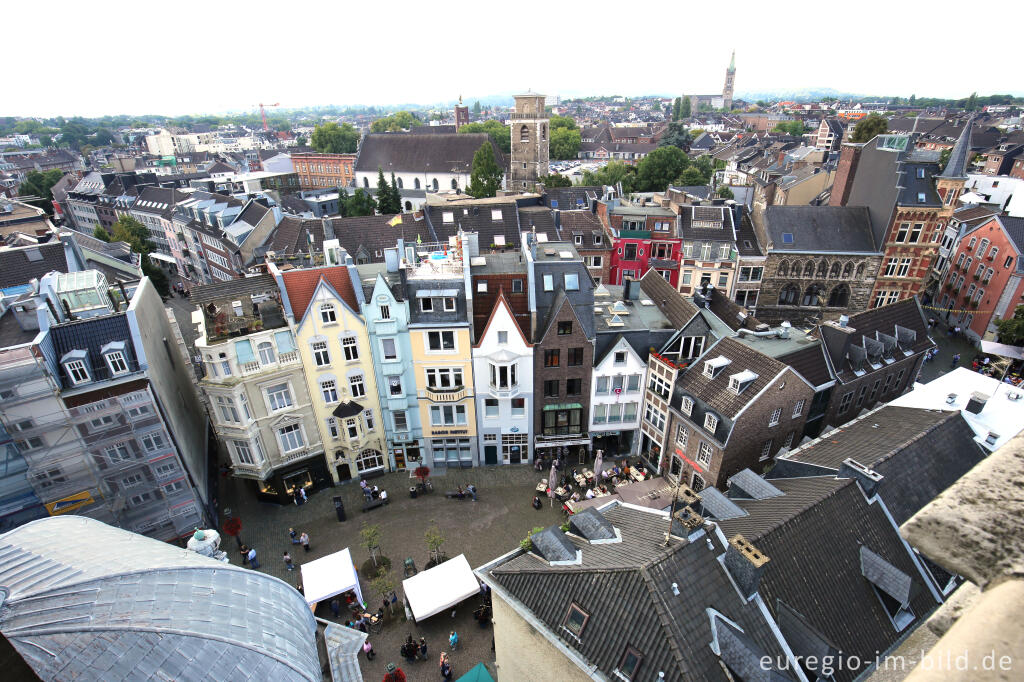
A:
[365,236]
[876,324]
[296,235]
[253,213]
[582,223]
[89,601]
[918,452]
[715,392]
[411,153]
[728,311]
[91,335]
[18,265]
[747,243]
[671,632]
[813,534]
[443,129]
[832,229]
[721,214]
[1014,228]
[956,167]
[571,198]
[472,217]
[677,309]
[301,285]
[810,363]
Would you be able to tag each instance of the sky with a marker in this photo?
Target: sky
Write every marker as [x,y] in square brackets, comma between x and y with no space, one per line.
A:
[116,57]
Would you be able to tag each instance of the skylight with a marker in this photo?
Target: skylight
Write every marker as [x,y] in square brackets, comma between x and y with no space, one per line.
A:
[787,237]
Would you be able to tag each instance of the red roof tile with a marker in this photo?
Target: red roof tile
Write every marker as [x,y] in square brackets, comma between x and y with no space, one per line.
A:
[300,285]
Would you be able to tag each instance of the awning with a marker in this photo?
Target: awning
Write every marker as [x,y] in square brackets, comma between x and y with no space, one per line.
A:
[560,442]
[437,293]
[478,673]
[330,576]
[347,409]
[1002,350]
[563,406]
[439,588]
[243,349]
[159,256]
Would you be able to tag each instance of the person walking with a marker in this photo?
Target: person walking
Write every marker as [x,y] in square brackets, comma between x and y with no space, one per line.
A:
[446,669]
[453,640]
[244,551]
[368,650]
[304,540]
[288,563]
[423,649]
[471,489]
[302,494]
[293,535]
[252,558]
[955,362]
[393,673]
[336,607]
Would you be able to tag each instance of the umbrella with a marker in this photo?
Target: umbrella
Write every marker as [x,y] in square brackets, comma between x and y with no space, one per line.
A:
[598,462]
[552,483]
[477,673]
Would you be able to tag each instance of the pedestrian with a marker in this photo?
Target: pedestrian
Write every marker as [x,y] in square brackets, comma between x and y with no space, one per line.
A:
[393,673]
[443,659]
[367,493]
[302,494]
[956,361]
[446,670]
[956,330]
[295,496]
[293,535]
[252,558]
[453,640]
[368,650]
[472,491]
[289,565]
[336,607]
[304,540]
[244,551]
[423,649]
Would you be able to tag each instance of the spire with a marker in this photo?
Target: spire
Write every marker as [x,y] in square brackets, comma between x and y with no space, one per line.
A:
[957,165]
[732,62]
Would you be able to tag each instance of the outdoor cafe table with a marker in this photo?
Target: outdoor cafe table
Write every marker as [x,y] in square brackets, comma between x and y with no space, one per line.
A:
[561,492]
[581,479]
[542,487]
[636,475]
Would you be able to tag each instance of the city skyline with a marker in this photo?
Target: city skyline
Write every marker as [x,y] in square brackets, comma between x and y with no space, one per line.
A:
[203,71]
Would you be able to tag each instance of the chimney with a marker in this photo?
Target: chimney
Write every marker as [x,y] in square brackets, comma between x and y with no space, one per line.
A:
[977,403]
[844,320]
[869,480]
[746,564]
[627,286]
[846,170]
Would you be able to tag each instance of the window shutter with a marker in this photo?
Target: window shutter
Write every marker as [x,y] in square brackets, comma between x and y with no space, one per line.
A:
[243,349]
[284,342]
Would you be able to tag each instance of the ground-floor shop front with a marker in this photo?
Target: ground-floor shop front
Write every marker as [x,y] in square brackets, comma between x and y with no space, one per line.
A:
[405,454]
[567,449]
[511,446]
[454,452]
[310,474]
[616,444]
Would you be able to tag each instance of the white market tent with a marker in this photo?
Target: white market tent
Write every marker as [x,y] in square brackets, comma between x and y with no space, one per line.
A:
[329,576]
[441,587]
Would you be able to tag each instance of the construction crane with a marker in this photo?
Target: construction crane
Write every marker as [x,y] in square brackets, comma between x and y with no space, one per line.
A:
[263,113]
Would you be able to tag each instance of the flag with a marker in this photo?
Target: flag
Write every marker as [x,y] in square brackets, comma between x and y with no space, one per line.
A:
[397,220]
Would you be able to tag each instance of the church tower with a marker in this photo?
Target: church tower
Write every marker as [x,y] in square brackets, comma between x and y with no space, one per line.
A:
[461,115]
[730,79]
[530,152]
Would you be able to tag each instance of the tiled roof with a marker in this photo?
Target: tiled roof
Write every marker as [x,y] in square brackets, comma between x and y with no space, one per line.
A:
[409,153]
[671,632]
[296,235]
[813,534]
[366,237]
[728,311]
[301,285]
[918,452]
[677,309]
[715,392]
[88,601]
[845,348]
[479,218]
[91,335]
[810,363]
[833,229]
[580,222]
[19,265]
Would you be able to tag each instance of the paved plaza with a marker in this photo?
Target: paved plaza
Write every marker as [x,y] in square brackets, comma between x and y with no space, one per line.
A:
[481,530]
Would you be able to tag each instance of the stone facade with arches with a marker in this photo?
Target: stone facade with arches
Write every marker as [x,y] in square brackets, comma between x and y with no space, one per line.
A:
[800,286]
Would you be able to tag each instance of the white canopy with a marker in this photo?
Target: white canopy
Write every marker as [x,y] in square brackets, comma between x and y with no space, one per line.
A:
[329,576]
[440,587]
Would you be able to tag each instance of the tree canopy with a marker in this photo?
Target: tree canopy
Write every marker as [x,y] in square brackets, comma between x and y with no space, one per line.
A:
[331,138]
[396,122]
[485,178]
[499,132]
[676,135]
[656,171]
[612,174]
[868,128]
[1011,331]
[388,201]
[725,193]
[129,230]
[40,184]
[555,180]
[685,107]
[795,128]
[564,143]
[360,203]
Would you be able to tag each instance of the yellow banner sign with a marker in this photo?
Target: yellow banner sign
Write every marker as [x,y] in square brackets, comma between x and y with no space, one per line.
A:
[70,503]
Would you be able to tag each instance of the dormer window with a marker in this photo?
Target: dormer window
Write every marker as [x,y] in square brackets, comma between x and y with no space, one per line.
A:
[327,314]
[76,367]
[738,382]
[687,406]
[116,362]
[710,422]
[714,366]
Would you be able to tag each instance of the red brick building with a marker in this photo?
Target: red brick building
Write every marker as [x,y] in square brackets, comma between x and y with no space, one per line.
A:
[984,281]
[319,171]
[645,238]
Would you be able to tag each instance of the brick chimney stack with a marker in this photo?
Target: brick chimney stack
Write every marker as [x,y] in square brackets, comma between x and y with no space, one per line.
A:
[746,564]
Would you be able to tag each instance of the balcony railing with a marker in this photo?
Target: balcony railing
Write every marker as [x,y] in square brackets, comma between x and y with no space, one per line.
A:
[256,367]
[503,392]
[446,395]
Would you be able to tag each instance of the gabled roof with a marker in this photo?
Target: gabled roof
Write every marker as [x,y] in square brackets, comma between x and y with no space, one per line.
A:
[902,321]
[833,229]
[559,302]
[409,153]
[670,302]
[715,392]
[19,265]
[368,236]
[92,335]
[919,453]
[501,302]
[88,601]
[301,285]
[296,235]
[1014,229]
[810,363]
[671,632]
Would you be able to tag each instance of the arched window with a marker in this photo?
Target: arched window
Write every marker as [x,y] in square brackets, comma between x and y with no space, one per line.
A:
[366,183]
[266,352]
[455,183]
[812,296]
[524,134]
[783,269]
[839,297]
[401,185]
[822,269]
[847,270]
[416,184]
[543,131]
[809,269]
[789,295]
[329,389]
[434,184]
[408,204]
[860,271]
[328,314]
[833,272]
